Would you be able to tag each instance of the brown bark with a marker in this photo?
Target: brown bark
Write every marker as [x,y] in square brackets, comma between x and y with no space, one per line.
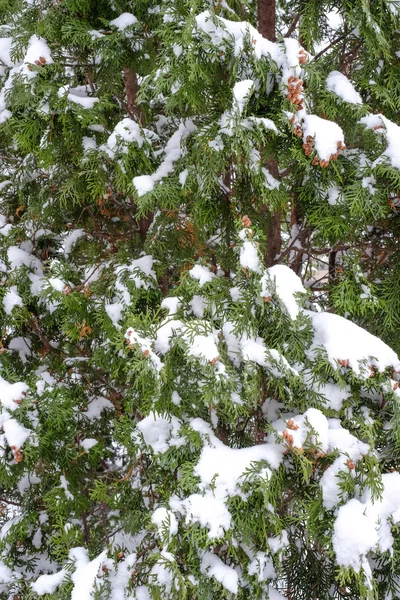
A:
[295,219]
[131,90]
[266,18]
[332,267]
[266,26]
[274,240]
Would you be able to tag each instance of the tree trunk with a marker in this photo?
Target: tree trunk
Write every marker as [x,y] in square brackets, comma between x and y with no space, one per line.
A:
[274,238]
[266,26]
[131,90]
[266,18]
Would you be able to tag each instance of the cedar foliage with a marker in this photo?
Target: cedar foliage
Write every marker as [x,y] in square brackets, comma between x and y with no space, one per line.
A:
[165,398]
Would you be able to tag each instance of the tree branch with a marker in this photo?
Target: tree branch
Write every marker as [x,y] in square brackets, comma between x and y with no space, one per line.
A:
[10,502]
[333,43]
[293,26]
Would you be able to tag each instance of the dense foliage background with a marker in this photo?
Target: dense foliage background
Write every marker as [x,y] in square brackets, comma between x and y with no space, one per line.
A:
[198,239]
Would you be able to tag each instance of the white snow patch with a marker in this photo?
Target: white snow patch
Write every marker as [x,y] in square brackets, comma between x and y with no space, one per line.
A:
[212,566]
[287,284]
[47,584]
[241,93]
[339,84]
[343,340]
[123,21]
[202,274]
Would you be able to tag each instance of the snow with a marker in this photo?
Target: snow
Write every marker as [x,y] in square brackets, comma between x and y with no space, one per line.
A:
[287,285]
[88,443]
[208,511]
[11,300]
[47,584]
[354,534]
[198,304]
[65,487]
[369,183]
[224,466]
[88,143]
[350,448]
[143,184]
[168,329]
[6,574]
[241,93]
[202,274]
[269,180]
[125,132]
[204,347]
[22,345]
[38,50]
[114,311]
[11,392]
[123,21]
[142,593]
[19,257]
[136,340]
[164,518]
[159,434]
[5,51]
[79,96]
[335,396]
[162,572]
[274,594]
[172,153]
[96,407]
[144,265]
[333,193]
[243,347]
[381,511]
[172,304]
[327,135]
[212,566]
[70,240]
[383,126]
[85,574]
[220,29]
[249,258]
[345,341]
[183,176]
[16,434]
[302,425]
[261,565]
[339,84]
[267,123]
[57,284]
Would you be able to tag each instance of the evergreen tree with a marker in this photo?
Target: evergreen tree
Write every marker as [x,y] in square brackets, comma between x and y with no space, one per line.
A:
[182,414]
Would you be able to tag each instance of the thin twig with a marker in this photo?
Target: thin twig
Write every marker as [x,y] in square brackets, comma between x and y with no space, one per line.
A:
[293,26]
[10,502]
[333,43]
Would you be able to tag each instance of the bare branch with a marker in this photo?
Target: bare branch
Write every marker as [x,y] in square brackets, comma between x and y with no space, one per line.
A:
[293,26]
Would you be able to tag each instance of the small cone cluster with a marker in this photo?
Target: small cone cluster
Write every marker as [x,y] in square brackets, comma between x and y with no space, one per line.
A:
[42,61]
[303,56]
[308,145]
[294,93]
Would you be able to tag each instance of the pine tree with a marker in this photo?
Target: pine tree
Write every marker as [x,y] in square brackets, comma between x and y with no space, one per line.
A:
[182,414]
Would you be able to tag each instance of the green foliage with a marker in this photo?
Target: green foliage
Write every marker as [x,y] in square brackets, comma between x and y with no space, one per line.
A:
[177,420]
